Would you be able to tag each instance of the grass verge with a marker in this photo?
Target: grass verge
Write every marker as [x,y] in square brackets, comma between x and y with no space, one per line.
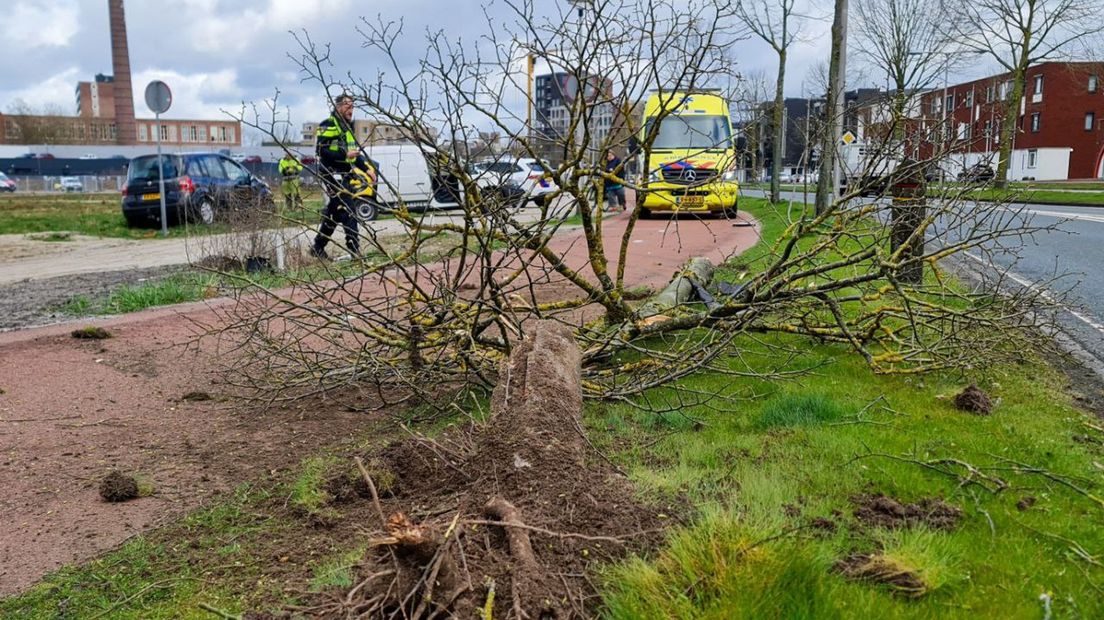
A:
[97,215]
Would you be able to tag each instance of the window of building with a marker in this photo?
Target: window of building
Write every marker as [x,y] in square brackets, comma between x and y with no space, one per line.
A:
[1032,158]
[1038,84]
[143,133]
[970,98]
[949,103]
[935,105]
[1036,120]
[164,132]
[1092,83]
[1005,89]
[1090,121]
[988,93]
[988,128]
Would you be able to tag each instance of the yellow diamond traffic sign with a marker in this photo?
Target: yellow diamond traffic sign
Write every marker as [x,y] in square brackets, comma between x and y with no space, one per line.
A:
[848,137]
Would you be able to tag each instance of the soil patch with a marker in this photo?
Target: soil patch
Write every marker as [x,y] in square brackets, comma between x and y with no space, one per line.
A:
[883,511]
[519,507]
[880,569]
[91,332]
[974,400]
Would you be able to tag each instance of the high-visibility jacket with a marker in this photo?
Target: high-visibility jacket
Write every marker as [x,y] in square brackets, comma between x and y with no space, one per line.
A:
[290,167]
[334,141]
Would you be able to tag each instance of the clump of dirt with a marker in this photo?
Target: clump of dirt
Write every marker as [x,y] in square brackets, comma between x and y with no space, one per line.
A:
[884,570]
[1025,503]
[220,263]
[882,511]
[196,397]
[91,333]
[117,487]
[518,507]
[973,400]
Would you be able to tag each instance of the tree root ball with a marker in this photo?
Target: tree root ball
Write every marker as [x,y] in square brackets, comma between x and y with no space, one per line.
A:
[116,487]
[974,400]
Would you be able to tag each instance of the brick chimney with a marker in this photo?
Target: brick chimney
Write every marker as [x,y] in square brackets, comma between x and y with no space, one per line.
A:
[126,129]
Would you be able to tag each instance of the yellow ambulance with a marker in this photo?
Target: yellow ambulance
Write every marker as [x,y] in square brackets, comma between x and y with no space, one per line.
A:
[692,163]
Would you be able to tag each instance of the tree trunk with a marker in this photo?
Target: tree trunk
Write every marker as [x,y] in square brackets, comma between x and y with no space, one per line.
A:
[834,111]
[778,117]
[1012,115]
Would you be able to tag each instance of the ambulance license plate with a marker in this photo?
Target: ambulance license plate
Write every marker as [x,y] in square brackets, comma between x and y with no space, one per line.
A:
[151,196]
[692,201]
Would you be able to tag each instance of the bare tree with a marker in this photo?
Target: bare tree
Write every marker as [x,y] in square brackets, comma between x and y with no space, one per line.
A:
[1017,34]
[749,100]
[777,24]
[908,40]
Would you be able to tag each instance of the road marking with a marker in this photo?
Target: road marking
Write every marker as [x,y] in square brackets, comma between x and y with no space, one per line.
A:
[1024,282]
[1066,215]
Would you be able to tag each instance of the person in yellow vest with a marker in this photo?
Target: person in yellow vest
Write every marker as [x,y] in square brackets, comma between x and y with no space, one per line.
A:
[289,173]
[338,155]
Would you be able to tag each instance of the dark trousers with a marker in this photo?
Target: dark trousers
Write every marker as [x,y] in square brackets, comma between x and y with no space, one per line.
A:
[338,210]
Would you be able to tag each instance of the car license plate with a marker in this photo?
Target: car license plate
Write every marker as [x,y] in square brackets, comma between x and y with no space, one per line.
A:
[692,201]
[151,196]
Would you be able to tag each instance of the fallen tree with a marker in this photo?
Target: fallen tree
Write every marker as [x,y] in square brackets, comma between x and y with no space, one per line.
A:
[418,326]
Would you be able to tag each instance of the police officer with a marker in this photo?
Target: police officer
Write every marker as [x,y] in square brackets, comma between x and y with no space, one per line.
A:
[289,173]
[337,154]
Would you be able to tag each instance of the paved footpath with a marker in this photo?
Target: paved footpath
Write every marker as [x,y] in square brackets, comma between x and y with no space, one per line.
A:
[72,410]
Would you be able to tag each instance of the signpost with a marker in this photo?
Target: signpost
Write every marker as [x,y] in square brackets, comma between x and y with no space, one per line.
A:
[159,98]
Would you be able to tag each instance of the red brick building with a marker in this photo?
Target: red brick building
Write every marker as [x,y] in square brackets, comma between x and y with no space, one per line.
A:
[1059,131]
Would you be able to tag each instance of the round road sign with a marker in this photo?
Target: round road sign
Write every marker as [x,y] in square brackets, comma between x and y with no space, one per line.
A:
[158,97]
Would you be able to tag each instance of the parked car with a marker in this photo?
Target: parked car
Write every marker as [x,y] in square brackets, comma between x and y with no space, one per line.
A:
[252,159]
[199,187]
[6,184]
[90,156]
[978,173]
[526,174]
[44,156]
[238,157]
[71,184]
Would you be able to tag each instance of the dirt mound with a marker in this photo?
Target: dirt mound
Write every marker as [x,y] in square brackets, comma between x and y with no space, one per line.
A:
[116,487]
[974,400]
[90,333]
[884,570]
[882,511]
[506,517]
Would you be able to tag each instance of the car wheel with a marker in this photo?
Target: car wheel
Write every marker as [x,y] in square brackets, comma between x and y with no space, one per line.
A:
[205,212]
[646,213]
[539,201]
[731,212]
[366,211]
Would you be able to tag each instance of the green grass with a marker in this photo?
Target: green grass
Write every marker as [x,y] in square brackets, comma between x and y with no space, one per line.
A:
[98,215]
[1044,196]
[757,472]
[799,410]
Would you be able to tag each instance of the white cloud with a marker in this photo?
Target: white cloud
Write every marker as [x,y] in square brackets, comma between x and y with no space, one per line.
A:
[39,24]
[195,95]
[213,31]
[55,90]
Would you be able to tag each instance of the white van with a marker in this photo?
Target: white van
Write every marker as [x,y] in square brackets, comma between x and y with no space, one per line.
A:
[406,176]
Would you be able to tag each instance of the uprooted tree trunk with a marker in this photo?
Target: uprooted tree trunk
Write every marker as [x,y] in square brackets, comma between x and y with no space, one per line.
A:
[695,274]
[526,478]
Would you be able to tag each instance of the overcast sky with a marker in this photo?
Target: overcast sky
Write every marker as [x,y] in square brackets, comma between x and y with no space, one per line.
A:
[215,54]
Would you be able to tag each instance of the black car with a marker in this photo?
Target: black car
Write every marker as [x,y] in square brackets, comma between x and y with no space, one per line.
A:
[199,187]
[978,173]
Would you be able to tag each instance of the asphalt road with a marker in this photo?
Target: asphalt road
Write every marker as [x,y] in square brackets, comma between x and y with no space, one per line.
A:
[1068,261]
